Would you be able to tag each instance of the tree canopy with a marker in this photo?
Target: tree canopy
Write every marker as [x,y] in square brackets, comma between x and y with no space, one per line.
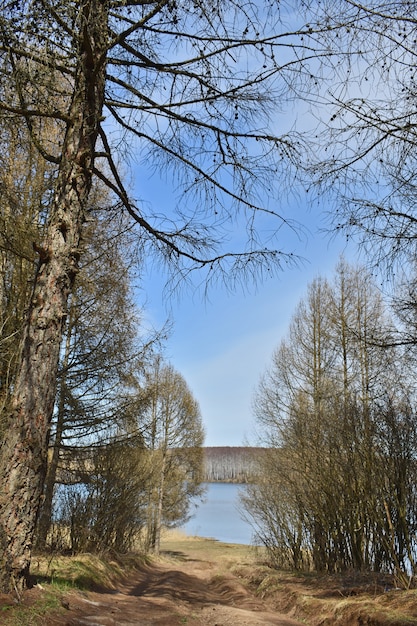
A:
[191,91]
[361,141]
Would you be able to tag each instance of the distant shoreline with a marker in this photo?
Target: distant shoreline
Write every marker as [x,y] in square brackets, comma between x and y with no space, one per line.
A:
[228,464]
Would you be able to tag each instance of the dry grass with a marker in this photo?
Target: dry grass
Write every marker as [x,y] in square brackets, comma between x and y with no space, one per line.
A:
[84,571]
[312,599]
[55,575]
[175,541]
[316,600]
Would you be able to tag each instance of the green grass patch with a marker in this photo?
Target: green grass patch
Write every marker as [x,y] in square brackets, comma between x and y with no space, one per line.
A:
[55,576]
[31,613]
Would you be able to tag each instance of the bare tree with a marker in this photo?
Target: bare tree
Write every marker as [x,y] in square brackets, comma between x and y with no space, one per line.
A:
[107,508]
[173,430]
[332,408]
[362,151]
[101,350]
[23,460]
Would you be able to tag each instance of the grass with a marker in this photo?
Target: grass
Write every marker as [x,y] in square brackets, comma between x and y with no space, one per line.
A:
[308,596]
[33,612]
[84,571]
[176,542]
[57,575]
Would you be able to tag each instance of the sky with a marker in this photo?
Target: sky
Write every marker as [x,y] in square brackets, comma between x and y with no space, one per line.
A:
[223,344]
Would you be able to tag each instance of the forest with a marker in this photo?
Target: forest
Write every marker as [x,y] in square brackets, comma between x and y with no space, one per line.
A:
[230,464]
[244,110]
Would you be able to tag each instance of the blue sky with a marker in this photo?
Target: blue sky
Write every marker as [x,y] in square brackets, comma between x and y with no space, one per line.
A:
[222,345]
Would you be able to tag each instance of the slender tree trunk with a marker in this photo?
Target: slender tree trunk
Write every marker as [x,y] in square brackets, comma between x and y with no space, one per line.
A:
[161,493]
[45,516]
[24,451]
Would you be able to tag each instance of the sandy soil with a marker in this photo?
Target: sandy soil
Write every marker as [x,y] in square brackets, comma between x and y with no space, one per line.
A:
[204,583]
[182,587]
[170,594]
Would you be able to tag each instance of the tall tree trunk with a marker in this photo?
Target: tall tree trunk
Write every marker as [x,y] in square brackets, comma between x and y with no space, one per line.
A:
[24,450]
[44,522]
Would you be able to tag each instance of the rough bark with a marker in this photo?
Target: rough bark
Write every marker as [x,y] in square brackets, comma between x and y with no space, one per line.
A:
[24,450]
[45,516]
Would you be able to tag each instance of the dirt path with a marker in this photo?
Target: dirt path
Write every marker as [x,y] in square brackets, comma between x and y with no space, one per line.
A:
[180,589]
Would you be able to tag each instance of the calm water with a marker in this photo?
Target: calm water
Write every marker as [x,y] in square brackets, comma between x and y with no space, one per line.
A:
[217,517]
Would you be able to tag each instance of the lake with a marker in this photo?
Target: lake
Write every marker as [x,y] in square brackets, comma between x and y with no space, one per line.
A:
[218,516]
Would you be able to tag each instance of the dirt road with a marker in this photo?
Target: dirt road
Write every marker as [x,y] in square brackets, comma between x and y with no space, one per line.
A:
[200,582]
[181,588]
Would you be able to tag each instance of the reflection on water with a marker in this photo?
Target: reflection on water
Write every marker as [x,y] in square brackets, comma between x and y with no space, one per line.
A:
[218,516]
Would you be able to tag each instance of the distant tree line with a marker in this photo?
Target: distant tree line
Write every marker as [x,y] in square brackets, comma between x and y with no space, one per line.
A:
[230,464]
